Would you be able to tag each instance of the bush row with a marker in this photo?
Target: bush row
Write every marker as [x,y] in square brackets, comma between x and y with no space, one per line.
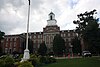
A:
[34,61]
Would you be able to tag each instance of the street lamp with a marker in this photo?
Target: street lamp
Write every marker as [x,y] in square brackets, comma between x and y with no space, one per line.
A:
[26,55]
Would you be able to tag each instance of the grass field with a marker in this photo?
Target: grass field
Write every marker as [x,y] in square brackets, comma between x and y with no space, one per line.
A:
[76,62]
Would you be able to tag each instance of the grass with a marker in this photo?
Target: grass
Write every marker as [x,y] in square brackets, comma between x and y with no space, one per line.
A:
[76,62]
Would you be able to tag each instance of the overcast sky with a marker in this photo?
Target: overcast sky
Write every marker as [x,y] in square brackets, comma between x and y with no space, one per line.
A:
[13,13]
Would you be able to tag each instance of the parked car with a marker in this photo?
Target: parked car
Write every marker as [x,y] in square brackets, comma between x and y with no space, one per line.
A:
[86,54]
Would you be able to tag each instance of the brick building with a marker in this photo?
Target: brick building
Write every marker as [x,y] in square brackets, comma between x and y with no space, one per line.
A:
[13,42]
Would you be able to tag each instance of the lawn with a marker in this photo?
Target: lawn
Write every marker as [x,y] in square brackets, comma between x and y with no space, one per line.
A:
[76,62]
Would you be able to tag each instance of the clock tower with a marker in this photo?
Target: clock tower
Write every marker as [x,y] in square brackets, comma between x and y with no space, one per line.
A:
[50,31]
[51,21]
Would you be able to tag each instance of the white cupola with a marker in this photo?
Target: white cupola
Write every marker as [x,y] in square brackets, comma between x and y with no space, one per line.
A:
[51,21]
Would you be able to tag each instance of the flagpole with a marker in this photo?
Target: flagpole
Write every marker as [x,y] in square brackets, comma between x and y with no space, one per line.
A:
[28,25]
[26,55]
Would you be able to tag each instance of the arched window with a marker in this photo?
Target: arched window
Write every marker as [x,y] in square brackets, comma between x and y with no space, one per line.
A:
[50,17]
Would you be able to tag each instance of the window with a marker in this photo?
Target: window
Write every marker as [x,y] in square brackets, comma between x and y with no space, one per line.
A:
[38,36]
[10,39]
[73,34]
[14,49]
[41,36]
[14,39]
[14,44]
[65,40]
[41,41]
[6,50]
[10,44]
[6,39]
[51,17]
[34,41]
[69,39]
[34,36]
[38,45]
[61,35]
[6,44]
[64,35]
[68,34]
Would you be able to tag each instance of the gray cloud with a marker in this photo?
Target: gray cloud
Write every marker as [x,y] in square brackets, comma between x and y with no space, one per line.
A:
[3,3]
[36,4]
[16,3]
[13,13]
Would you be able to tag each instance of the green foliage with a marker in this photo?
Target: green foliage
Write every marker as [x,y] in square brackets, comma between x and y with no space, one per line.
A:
[25,64]
[50,59]
[85,20]
[16,64]
[42,59]
[88,30]
[42,49]
[76,45]
[1,35]
[47,59]
[9,61]
[3,57]
[58,45]
[20,57]
[2,63]
[38,60]
[35,60]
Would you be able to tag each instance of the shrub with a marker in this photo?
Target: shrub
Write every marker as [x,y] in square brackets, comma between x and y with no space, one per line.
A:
[25,64]
[20,56]
[47,59]
[50,60]
[35,60]
[42,59]
[9,61]
[16,64]
[3,57]
[2,63]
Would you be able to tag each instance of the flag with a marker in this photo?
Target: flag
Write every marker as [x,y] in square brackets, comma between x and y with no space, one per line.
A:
[29,2]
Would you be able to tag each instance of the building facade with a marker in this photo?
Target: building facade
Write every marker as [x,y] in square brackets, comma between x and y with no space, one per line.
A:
[13,42]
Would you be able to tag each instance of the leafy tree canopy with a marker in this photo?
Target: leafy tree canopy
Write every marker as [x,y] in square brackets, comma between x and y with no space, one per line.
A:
[76,45]
[1,35]
[58,45]
[42,49]
[88,29]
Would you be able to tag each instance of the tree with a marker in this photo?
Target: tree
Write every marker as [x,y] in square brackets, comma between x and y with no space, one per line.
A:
[42,49]
[92,36]
[76,45]
[88,30]
[1,37]
[58,45]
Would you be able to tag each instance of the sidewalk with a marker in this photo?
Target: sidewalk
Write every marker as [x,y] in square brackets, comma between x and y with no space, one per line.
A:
[67,57]
[71,57]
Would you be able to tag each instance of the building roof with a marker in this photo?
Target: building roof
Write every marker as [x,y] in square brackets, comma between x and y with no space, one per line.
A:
[51,13]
